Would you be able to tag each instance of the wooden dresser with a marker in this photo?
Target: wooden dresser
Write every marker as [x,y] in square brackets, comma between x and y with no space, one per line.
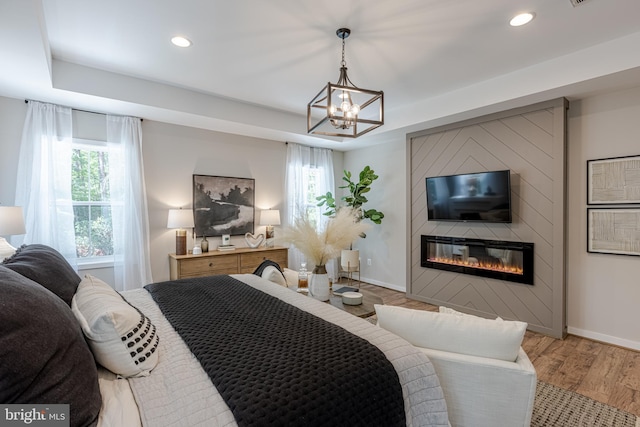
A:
[240,260]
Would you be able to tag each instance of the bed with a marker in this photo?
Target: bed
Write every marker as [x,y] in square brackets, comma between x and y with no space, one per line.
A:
[215,351]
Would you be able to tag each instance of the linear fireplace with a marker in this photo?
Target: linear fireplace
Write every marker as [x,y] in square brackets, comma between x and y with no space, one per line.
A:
[497,259]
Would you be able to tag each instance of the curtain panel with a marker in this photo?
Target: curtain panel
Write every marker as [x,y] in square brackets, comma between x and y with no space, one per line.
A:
[300,159]
[129,212]
[44,190]
[43,186]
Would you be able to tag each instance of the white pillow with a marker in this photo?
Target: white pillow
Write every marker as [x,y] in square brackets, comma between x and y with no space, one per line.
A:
[274,275]
[454,333]
[120,336]
[291,276]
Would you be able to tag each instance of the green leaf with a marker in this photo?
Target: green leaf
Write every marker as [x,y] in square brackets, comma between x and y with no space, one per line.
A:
[355,197]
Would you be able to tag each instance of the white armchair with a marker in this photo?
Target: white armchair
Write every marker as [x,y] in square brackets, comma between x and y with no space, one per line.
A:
[485,392]
[486,376]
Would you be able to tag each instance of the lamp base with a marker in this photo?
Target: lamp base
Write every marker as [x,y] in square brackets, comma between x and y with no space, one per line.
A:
[6,250]
[269,236]
[181,242]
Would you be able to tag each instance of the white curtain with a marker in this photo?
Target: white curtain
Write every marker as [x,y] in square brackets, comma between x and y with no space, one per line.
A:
[299,159]
[44,178]
[132,268]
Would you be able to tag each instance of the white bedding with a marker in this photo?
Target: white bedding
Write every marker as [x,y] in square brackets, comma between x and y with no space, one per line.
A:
[179,393]
[119,407]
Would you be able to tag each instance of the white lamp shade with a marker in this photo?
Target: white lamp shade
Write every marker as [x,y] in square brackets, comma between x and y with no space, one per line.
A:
[270,217]
[180,218]
[11,221]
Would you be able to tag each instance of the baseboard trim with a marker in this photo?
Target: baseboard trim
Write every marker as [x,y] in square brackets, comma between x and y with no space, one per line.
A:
[608,339]
[383,284]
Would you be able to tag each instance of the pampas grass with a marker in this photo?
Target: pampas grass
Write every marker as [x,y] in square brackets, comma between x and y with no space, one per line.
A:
[319,247]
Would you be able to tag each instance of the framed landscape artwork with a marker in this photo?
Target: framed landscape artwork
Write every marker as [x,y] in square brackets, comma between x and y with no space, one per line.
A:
[613,181]
[223,205]
[613,231]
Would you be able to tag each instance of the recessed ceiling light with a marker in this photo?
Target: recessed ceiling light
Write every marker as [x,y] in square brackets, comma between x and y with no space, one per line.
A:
[181,41]
[521,19]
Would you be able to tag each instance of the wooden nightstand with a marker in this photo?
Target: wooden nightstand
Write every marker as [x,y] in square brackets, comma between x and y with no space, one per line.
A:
[240,260]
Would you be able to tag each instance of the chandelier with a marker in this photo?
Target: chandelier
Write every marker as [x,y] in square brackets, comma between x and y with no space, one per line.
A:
[342,108]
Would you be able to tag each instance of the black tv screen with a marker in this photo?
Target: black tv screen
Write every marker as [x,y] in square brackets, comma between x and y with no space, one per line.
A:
[480,197]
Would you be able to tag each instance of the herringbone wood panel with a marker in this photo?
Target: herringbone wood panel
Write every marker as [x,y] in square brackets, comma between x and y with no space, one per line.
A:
[526,143]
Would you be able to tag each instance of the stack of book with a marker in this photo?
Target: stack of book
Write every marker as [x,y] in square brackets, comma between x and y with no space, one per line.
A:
[342,290]
[226,247]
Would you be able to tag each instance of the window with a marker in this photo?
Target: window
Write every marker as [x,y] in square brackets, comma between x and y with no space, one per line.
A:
[311,177]
[81,196]
[91,200]
[309,174]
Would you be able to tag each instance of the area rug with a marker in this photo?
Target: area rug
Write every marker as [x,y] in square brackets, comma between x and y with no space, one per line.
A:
[557,407]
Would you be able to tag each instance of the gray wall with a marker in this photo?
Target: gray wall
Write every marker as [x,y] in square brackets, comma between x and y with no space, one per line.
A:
[171,155]
[12,114]
[602,290]
[531,143]
[384,244]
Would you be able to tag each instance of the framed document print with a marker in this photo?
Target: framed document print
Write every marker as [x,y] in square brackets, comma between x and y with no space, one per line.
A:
[613,181]
[613,231]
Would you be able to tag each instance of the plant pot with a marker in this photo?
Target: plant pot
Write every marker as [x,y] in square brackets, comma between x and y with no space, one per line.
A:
[319,283]
[350,260]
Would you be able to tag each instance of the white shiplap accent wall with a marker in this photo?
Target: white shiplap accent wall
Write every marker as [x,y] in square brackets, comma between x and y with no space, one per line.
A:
[531,142]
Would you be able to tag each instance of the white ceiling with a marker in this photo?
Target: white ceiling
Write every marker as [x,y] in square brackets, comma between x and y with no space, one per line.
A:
[254,65]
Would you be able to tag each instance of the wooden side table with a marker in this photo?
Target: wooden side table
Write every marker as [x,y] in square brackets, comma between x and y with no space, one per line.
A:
[240,260]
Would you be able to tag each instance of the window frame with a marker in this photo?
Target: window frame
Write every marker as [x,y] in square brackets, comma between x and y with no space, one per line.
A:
[91,262]
[308,170]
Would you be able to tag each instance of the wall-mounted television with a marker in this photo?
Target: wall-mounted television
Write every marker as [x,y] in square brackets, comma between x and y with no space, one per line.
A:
[479,197]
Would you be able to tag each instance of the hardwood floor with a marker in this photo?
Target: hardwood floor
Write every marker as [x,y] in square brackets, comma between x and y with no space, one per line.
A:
[603,372]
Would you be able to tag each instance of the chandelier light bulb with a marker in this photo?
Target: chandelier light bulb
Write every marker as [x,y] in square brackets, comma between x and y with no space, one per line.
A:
[355,109]
[332,109]
[345,106]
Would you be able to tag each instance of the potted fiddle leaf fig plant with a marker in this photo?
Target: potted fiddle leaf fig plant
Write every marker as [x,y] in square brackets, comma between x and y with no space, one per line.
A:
[356,197]
[355,201]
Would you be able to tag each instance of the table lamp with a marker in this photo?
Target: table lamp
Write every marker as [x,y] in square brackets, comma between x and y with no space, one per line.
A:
[11,224]
[180,219]
[269,217]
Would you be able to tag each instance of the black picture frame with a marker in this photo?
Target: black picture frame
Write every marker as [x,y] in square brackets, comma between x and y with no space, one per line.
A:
[613,181]
[613,231]
[223,205]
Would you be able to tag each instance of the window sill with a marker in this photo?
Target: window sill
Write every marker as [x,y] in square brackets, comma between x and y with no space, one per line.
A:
[94,264]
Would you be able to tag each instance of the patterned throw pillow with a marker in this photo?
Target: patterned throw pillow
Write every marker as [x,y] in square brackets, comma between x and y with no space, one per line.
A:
[121,337]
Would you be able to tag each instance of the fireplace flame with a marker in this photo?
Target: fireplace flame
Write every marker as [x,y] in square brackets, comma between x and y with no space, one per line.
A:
[480,265]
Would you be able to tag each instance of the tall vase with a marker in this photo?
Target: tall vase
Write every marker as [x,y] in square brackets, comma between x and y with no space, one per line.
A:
[319,285]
